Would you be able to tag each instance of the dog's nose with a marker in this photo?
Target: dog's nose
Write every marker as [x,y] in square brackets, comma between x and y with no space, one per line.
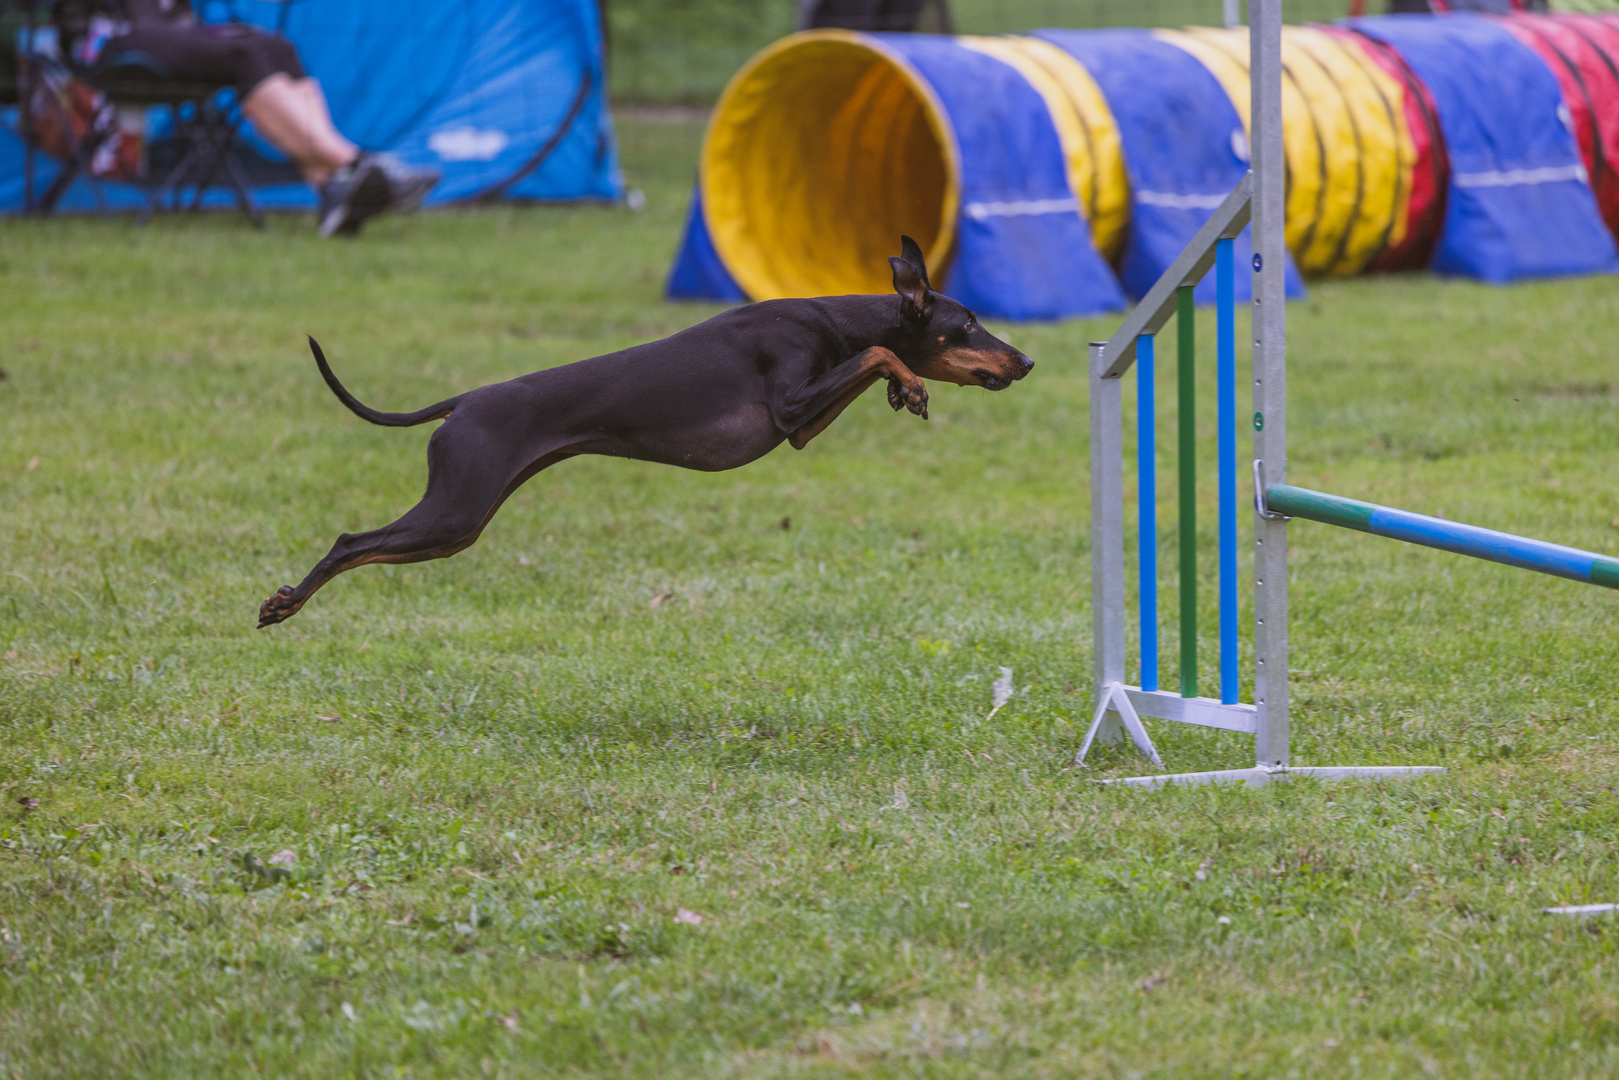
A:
[1025,364]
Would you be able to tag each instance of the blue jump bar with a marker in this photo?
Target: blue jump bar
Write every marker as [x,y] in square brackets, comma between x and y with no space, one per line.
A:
[1225,300]
[1147,507]
[1470,540]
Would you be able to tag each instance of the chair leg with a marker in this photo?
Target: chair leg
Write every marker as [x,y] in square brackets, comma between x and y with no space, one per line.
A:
[223,131]
[170,187]
[208,171]
[209,160]
[57,187]
[28,173]
[244,189]
[72,169]
[212,136]
[84,152]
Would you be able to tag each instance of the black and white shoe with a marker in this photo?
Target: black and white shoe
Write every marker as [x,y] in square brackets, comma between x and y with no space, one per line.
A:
[367,186]
[406,185]
[356,191]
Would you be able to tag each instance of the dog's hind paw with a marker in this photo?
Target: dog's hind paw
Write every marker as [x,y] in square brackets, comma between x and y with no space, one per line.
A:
[278,608]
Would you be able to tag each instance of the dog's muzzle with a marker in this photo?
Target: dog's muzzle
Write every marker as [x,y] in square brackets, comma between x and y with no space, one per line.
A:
[990,380]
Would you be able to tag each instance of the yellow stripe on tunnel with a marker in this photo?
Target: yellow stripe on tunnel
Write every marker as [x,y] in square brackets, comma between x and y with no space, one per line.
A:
[1368,128]
[822,150]
[1382,98]
[1225,53]
[1107,207]
[1092,150]
[1349,157]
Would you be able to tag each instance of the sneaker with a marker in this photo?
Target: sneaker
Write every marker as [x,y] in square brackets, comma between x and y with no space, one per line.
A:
[406,185]
[357,191]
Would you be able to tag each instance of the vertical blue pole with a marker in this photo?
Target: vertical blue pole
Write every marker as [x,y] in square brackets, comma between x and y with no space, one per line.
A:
[1225,284]
[1147,541]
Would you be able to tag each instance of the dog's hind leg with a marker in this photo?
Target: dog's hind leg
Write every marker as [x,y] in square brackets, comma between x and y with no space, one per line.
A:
[463,493]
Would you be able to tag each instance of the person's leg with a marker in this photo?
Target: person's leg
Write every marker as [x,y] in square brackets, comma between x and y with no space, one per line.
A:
[291,114]
[288,109]
[277,94]
[310,88]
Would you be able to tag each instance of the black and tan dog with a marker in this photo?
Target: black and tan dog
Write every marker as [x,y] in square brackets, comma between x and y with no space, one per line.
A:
[716,396]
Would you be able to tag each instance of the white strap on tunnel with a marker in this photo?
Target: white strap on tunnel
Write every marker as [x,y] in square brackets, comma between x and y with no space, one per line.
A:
[978,211]
[1170,200]
[1520,177]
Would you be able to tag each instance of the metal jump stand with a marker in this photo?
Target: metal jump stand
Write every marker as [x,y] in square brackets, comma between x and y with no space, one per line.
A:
[1259,196]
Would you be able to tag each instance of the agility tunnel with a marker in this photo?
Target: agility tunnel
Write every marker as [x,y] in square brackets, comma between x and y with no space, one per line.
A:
[1058,173]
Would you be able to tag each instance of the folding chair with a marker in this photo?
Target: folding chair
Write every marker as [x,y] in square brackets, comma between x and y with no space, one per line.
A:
[205,129]
[206,123]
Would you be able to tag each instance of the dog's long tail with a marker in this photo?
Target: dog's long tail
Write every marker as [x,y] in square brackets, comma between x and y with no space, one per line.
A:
[365,412]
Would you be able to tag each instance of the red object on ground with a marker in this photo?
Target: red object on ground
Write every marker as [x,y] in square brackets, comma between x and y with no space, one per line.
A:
[1583,53]
[1425,210]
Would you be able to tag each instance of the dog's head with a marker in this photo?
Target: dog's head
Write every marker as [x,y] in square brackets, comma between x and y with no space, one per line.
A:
[943,340]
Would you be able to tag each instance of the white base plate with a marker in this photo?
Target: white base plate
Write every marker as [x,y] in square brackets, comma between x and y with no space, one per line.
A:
[1260,775]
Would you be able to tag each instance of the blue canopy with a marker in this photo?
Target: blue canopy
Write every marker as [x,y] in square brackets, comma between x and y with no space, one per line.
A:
[1519,204]
[504,96]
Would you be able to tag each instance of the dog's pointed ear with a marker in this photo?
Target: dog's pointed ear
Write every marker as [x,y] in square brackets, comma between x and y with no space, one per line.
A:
[911,253]
[911,282]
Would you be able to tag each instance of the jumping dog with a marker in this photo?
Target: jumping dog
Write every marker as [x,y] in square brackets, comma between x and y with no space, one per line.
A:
[716,396]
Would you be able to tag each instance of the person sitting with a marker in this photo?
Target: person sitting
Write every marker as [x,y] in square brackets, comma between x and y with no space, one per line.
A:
[284,104]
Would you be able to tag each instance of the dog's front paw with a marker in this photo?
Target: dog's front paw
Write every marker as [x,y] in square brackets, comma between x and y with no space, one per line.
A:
[278,608]
[914,398]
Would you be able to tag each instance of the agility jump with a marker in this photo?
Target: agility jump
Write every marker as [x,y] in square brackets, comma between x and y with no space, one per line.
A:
[1259,198]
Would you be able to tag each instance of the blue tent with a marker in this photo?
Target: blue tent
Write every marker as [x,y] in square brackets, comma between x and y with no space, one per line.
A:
[506,97]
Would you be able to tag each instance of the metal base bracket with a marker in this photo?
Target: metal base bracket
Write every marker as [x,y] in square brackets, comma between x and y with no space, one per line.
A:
[1116,701]
[1260,775]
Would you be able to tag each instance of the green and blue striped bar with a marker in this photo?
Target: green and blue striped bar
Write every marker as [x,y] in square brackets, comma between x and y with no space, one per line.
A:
[1470,540]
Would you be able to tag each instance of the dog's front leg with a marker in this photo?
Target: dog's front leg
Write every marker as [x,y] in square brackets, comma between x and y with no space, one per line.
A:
[809,408]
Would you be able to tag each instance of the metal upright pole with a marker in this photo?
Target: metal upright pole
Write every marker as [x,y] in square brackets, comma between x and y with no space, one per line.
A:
[1270,379]
[1186,422]
[1147,505]
[1107,522]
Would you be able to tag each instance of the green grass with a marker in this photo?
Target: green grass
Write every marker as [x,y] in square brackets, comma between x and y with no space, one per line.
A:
[502,776]
[684,51]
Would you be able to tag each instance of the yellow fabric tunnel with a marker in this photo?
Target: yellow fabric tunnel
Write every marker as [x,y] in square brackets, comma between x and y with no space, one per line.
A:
[1350,155]
[829,144]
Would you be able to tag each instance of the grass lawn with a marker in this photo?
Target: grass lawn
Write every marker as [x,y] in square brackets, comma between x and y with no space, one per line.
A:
[759,697]
[684,51]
